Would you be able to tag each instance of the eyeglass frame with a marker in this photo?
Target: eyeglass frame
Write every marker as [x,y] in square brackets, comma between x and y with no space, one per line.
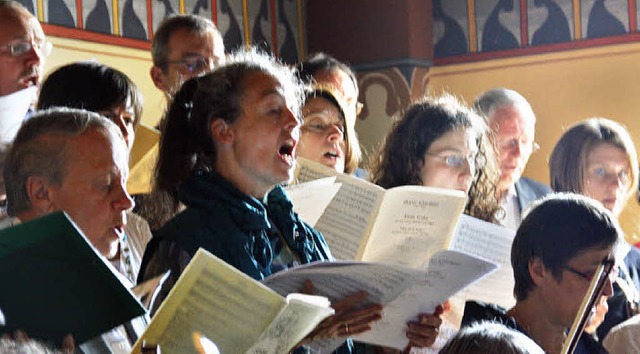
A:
[306,127]
[609,264]
[477,164]
[44,47]
[202,61]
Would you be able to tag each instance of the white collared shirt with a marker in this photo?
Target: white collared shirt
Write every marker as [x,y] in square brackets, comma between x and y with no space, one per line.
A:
[511,207]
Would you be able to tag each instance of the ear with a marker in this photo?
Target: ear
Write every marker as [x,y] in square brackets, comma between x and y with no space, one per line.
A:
[37,188]
[221,131]
[157,76]
[537,270]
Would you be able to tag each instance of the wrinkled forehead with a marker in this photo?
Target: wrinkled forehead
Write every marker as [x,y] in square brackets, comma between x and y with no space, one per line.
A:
[260,83]
[111,140]
[512,120]
[18,23]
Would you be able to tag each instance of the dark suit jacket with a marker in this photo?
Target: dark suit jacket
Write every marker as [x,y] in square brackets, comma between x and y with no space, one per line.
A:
[528,191]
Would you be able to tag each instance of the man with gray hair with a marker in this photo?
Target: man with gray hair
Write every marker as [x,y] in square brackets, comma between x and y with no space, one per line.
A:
[76,161]
[184,46]
[512,120]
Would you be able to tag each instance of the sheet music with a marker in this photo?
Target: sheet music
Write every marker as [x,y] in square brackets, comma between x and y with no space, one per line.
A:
[492,242]
[447,273]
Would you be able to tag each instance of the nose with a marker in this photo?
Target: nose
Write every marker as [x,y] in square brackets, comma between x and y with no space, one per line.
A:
[123,200]
[468,168]
[34,55]
[335,133]
[291,121]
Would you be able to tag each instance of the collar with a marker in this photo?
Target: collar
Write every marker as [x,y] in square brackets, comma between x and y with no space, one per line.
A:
[210,191]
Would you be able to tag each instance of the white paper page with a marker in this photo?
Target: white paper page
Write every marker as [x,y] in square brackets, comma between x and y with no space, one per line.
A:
[336,280]
[302,313]
[413,223]
[349,216]
[310,199]
[307,171]
[447,273]
[492,242]
[351,213]
[13,108]
[217,300]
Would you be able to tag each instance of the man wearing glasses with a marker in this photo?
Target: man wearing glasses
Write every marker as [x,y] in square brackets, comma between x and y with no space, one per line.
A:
[184,46]
[513,122]
[23,48]
[558,249]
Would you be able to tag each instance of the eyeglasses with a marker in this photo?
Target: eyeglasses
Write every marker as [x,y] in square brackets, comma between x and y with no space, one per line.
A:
[322,123]
[511,144]
[602,175]
[17,49]
[609,270]
[194,65]
[458,160]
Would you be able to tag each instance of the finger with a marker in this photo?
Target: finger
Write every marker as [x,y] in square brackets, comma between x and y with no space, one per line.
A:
[446,306]
[422,330]
[353,315]
[350,301]
[429,320]
[307,287]
[416,340]
[353,329]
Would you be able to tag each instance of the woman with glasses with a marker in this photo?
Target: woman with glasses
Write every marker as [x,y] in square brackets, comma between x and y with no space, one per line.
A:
[439,142]
[325,137]
[597,158]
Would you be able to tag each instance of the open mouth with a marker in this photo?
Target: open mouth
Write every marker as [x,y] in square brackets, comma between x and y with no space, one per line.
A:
[28,80]
[332,155]
[286,152]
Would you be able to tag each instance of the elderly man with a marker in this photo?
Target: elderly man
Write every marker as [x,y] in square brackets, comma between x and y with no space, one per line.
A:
[76,161]
[23,48]
[184,46]
[513,122]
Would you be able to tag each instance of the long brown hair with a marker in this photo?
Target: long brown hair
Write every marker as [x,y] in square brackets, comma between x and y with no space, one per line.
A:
[401,156]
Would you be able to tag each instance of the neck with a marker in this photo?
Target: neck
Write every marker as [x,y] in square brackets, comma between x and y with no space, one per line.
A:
[244,185]
[530,315]
[28,215]
[502,191]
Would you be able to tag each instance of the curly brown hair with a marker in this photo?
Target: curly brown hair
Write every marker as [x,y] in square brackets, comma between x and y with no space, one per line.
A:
[401,156]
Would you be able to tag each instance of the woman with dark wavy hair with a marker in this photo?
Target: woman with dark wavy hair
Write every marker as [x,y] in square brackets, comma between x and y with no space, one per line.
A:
[439,142]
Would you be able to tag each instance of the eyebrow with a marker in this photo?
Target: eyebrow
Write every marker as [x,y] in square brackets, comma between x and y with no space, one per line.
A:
[192,55]
[454,149]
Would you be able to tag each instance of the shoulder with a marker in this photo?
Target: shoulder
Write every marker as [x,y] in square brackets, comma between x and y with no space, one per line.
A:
[623,338]
[540,189]
[476,311]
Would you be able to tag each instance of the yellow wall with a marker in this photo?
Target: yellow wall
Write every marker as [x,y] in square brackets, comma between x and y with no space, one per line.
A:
[563,88]
[133,62]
